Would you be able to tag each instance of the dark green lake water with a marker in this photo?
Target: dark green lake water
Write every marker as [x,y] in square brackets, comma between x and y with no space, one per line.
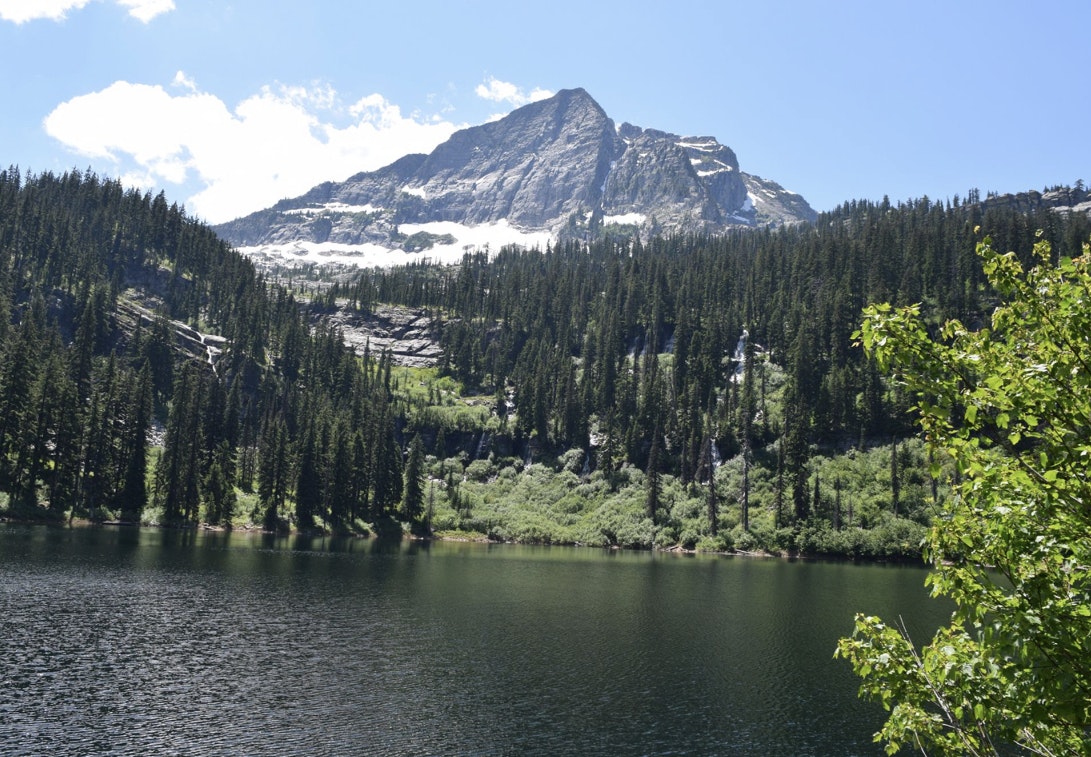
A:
[134,642]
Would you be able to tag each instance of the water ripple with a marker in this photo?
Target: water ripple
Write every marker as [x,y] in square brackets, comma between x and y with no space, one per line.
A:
[168,645]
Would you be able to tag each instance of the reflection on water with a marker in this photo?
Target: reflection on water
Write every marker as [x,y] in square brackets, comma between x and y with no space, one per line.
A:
[125,641]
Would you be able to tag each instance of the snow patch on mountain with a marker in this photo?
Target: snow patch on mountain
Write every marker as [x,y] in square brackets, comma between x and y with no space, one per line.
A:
[483,238]
[333,207]
[491,236]
[626,219]
[703,145]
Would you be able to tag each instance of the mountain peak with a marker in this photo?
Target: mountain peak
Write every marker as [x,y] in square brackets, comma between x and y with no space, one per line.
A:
[558,167]
[575,94]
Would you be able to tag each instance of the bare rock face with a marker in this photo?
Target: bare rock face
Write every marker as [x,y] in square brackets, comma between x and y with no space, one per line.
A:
[559,165]
[1058,199]
[409,334]
[543,162]
[772,204]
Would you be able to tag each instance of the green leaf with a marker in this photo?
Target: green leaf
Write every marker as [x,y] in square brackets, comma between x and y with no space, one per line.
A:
[1014,659]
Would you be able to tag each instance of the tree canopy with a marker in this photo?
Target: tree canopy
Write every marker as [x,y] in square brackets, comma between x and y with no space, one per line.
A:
[1011,404]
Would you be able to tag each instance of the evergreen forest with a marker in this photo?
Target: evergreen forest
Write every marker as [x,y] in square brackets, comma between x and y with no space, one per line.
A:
[690,392]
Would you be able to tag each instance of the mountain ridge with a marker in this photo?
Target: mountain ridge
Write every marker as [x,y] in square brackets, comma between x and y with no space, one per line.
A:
[558,168]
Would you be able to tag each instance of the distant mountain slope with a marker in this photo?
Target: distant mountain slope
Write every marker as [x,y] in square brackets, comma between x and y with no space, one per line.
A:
[559,168]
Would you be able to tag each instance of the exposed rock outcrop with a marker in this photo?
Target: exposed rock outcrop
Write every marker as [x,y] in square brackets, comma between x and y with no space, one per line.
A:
[409,334]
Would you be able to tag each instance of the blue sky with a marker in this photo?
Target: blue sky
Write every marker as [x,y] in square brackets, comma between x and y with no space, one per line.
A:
[231,105]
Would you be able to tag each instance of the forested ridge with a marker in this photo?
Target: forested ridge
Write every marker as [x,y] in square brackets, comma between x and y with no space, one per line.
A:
[98,283]
[689,391]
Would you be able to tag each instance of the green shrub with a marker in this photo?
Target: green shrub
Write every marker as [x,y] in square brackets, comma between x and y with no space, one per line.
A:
[480,471]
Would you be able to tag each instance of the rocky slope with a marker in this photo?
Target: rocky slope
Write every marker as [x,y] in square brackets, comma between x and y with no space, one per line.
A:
[411,335]
[559,168]
[1058,199]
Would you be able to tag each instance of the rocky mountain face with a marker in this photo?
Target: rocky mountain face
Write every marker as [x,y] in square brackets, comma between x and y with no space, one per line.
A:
[558,167]
[1058,199]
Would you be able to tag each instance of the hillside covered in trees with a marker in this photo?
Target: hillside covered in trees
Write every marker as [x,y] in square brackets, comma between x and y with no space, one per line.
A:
[689,391]
[129,323]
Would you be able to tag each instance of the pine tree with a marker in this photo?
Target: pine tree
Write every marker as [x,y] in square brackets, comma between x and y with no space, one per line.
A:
[386,471]
[413,497]
[96,488]
[337,481]
[273,472]
[744,497]
[83,349]
[217,488]
[133,497]
[779,517]
[747,407]
[308,488]
[360,486]
[177,474]
[712,504]
[17,375]
[64,479]
[837,504]
[39,435]
[654,486]
[895,480]
[795,456]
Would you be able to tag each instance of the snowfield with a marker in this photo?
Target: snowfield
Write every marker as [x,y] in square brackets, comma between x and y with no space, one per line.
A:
[490,237]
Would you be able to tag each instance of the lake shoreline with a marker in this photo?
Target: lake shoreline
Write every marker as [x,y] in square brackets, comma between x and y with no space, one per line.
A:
[456,538]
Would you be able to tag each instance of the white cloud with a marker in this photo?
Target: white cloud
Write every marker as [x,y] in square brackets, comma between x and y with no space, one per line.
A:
[495,90]
[146,10]
[183,81]
[277,143]
[21,11]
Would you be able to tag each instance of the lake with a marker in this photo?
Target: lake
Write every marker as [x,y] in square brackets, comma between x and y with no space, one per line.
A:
[136,642]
